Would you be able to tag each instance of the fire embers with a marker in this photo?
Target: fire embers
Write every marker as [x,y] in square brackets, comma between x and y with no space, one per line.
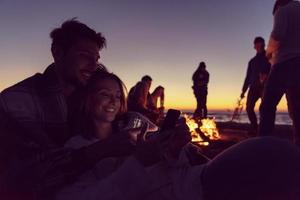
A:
[202,131]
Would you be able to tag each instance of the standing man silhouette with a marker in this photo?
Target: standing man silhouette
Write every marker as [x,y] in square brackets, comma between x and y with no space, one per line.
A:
[257,73]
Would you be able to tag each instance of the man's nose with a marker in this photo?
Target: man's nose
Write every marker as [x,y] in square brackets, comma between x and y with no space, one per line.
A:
[93,66]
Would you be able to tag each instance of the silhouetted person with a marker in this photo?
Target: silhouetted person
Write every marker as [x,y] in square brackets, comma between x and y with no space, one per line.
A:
[138,99]
[200,82]
[257,73]
[157,96]
[34,115]
[284,50]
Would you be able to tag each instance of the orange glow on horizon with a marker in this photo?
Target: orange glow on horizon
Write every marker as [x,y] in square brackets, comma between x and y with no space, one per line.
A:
[217,105]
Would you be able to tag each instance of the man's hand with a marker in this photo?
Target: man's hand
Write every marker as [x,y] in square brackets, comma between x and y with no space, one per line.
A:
[262,78]
[134,133]
[147,150]
[242,95]
[154,148]
[119,144]
[180,137]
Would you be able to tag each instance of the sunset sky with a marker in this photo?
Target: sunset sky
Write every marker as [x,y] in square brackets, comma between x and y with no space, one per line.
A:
[165,39]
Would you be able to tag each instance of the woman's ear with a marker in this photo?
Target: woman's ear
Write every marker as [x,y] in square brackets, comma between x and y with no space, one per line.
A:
[57,52]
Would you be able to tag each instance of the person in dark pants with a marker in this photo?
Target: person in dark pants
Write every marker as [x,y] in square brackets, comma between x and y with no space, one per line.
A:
[284,51]
[200,82]
[257,73]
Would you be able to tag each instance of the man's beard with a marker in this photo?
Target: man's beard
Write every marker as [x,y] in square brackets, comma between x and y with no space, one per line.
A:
[73,81]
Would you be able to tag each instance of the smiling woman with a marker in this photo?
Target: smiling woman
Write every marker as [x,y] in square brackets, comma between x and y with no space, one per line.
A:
[102,100]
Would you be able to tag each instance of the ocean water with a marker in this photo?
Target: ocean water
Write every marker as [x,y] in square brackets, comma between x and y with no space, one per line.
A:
[223,116]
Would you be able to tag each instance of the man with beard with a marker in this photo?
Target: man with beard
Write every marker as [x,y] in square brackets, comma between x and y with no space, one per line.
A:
[34,114]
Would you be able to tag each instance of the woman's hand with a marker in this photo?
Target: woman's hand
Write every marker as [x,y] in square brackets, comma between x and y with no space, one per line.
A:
[152,149]
[180,137]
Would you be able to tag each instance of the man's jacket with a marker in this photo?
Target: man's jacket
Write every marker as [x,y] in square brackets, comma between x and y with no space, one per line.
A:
[33,127]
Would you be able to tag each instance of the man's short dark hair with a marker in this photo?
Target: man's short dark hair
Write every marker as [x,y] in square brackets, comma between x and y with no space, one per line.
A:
[259,40]
[146,78]
[71,31]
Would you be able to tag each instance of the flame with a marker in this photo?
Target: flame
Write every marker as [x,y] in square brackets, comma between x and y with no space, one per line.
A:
[208,128]
[193,125]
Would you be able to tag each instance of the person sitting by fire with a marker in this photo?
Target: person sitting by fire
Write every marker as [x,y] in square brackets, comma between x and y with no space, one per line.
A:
[138,99]
[101,118]
[152,100]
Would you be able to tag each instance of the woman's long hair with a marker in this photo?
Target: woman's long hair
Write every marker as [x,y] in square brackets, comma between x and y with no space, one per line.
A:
[158,92]
[201,66]
[83,122]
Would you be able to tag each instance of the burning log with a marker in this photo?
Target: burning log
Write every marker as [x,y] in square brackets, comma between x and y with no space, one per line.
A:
[209,128]
[202,135]
[202,131]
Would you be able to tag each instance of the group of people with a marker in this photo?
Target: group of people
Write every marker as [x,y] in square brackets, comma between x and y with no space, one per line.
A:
[71,133]
[140,100]
[274,71]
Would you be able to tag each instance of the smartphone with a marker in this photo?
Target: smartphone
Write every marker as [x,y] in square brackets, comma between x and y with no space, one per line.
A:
[170,119]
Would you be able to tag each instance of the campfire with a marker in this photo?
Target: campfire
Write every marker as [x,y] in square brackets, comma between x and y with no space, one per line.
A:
[205,133]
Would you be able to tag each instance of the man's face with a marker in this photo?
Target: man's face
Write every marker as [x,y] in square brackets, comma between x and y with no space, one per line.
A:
[148,83]
[79,62]
[259,46]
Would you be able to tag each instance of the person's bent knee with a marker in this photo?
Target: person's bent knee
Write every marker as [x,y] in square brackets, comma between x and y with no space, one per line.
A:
[258,167]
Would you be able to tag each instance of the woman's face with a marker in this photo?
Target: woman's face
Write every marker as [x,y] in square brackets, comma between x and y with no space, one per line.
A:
[106,101]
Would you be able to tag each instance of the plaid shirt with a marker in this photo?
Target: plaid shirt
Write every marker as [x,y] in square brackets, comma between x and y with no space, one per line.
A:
[33,130]
[33,127]
[37,104]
